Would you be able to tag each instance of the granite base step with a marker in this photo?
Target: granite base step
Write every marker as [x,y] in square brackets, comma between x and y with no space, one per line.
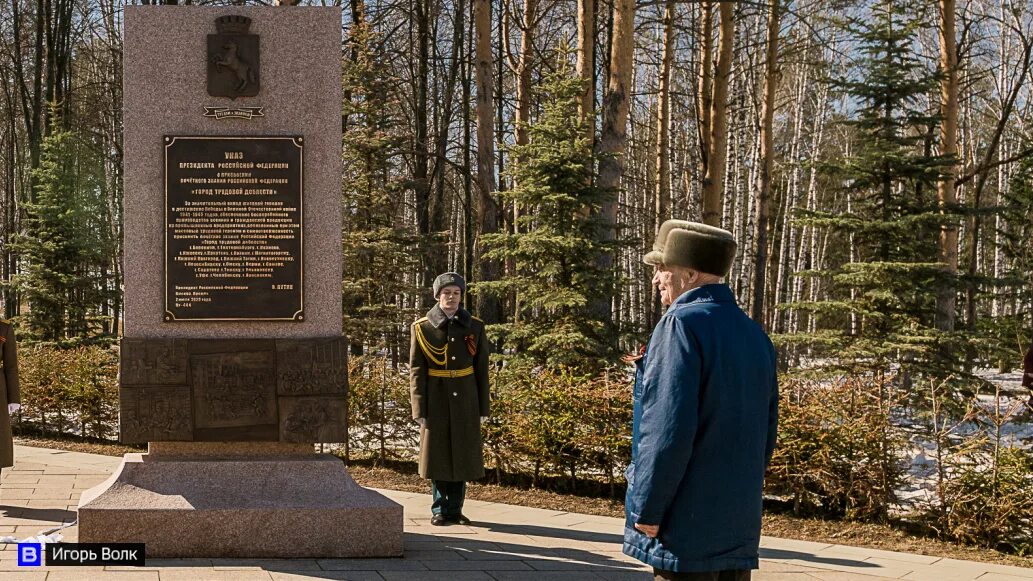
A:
[254,506]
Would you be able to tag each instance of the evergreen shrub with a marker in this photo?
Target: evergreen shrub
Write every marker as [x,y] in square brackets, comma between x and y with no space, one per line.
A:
[988,501]
[69,390]
[838,453]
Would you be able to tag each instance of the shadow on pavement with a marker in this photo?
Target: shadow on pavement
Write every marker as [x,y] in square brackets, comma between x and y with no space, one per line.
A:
[56,515]
[557,533]
[782,555]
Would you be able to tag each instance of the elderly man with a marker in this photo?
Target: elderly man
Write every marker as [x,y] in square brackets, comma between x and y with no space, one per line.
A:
[705,412]
[448,382]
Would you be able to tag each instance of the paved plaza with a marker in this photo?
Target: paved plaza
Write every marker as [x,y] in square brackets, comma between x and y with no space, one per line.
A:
[505,543]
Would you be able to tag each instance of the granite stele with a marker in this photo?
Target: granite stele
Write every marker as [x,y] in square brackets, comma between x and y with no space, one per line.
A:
[232,361]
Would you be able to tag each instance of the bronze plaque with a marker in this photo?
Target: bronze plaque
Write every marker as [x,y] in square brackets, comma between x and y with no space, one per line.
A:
[233,228]
[222,390]
[233,59]
[155,414]
[313,419]
[234,389]
[153,361]
[312,366]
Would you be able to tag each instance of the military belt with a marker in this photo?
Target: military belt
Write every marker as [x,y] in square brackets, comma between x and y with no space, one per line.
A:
[450,372]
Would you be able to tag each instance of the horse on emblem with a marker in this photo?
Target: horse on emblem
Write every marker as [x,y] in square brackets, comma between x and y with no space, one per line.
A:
[232,61]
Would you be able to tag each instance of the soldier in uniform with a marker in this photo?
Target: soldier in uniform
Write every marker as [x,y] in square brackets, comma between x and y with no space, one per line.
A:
[448,382]
[9,392]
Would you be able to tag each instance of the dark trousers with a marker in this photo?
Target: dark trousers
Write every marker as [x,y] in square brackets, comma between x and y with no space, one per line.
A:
[662,575]
[448,497]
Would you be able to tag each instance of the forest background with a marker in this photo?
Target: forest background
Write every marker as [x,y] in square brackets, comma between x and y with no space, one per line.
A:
[872,157]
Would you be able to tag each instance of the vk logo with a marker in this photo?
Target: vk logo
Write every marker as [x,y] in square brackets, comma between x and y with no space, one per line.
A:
[30,554]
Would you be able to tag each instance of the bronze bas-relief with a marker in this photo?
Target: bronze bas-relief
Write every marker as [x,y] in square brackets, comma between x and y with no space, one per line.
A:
[309,367]
[233,59]
[286,390]
[233,389]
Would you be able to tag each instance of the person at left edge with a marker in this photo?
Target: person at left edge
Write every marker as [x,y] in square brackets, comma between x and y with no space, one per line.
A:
[448,384]
[9,391]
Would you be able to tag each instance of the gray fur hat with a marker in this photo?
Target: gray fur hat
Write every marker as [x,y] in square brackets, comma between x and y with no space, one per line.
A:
[449,279]
[693,245]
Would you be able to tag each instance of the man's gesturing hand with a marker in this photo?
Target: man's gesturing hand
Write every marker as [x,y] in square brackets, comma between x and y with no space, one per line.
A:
[649,530]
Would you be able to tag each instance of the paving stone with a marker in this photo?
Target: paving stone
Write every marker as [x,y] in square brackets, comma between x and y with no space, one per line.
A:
[844,576]
[329,575]
[1020,572]
[23,575]
[477,566]
[872,554]
[156,564]
[266,564]
[594,556]
[443,555]
[77,574]
[499,555]
[870,570]
[792,545]
[380,565]
[19,478]
[435,576]
[201,574]
[562,565]
[782,567]
[37,494]
[545,576]
[626,575]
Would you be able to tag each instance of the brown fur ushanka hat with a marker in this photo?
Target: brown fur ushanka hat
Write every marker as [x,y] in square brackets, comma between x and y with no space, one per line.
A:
[693,245]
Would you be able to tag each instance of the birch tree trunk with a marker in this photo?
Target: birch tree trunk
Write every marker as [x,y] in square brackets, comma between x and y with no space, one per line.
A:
[792,196]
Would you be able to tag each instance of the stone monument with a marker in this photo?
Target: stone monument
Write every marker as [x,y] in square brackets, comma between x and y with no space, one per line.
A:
[232,360]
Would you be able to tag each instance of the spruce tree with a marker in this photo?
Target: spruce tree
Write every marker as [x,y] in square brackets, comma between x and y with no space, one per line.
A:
[558,239]
[882,306]
[66,244]
[378,248]
[1011,334]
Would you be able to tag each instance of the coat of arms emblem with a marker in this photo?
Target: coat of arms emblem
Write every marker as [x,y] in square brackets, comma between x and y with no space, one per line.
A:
[233,64]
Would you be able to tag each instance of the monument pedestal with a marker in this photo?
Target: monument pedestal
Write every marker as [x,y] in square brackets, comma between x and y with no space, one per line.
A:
[253,500]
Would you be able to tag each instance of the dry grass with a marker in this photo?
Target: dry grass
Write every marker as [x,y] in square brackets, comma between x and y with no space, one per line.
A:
[403,476]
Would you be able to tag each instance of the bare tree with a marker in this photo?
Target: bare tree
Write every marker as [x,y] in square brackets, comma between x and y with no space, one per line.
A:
[585,66]
[617,103]
[946,189]
[663,121]
[487,210]
[705,81]
[767,155]
[713,180]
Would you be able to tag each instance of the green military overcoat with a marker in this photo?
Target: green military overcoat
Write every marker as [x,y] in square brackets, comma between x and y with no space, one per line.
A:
[450,440]
[9,392]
